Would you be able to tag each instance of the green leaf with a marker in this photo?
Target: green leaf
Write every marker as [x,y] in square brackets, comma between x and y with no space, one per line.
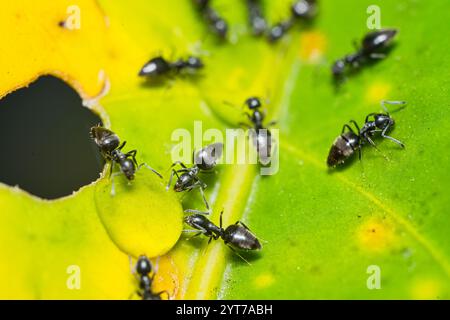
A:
[321,229]
[324,229]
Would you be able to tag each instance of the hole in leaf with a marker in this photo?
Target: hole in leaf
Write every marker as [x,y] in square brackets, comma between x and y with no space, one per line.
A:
[44,139]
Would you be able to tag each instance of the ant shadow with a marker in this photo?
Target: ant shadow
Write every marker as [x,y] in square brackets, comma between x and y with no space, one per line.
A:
[197,242]
[306,24]
[155,82]
[249,256]
[348,163]
[167,82]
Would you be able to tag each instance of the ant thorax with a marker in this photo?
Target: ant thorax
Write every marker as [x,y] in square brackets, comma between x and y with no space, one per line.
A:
[368,128]
[258,118]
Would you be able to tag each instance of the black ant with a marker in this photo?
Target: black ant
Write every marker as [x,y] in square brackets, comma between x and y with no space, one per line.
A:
[143,269]
[256,18]
[302,9]
[373,46]
[236,236]
[350,141]
[203,161]
[111,149]
[217,24]
[161,67]
[262,137]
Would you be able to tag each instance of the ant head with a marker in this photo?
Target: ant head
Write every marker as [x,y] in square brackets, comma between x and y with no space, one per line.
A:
[190,219]
[338,68]
[202,3]
[259,26]
[276,33]
[304,9]
[221,28]
[383,120]
[195,220]
[253,103]
[195,62]
[178,187]
[143,265]
[207,157]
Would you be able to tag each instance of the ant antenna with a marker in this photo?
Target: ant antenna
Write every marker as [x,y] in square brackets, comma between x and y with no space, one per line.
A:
[239,255]
[402,105]
[196,211]
[230,104]
[220,220]
[132,266]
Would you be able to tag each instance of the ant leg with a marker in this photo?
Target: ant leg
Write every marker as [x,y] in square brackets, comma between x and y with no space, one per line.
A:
[346,126]
[377,55]
[156,267]
[178,162]
[249,117]
[203,196]
[356,125]
[237,253]
[383,134]
[161,292]
[345,139]
[368,139]
[132,267]
[150,168]
[195,235]
[369,115]
[200,229]
[196,211]
[245,125]
[241,223]
[111,168]
[132,154]
[174,172]
[122,145]
[113,189]
[385,102]
[272,123]
[201,186]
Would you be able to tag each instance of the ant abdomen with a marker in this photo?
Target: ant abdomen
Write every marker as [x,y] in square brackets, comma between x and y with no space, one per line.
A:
[206,158]
[106,140]
[343,148]
[240,238]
